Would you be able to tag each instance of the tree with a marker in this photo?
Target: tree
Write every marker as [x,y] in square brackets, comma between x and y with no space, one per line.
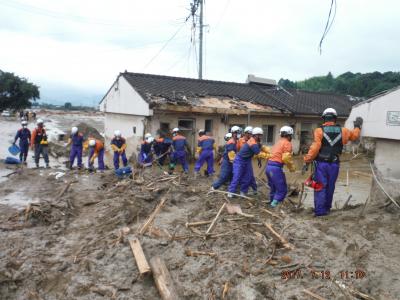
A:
[16,92]
[68,105]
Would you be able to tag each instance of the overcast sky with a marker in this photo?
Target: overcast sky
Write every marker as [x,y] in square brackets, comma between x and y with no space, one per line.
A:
[85,44]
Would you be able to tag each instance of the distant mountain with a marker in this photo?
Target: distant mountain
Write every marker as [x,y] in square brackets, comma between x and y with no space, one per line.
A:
[354,84]
[57,94]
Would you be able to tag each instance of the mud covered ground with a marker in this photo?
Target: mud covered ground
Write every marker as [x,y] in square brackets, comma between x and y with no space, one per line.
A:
[73,243]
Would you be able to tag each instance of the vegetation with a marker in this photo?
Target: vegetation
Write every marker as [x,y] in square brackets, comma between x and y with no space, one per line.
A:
[354,84]
[16,92]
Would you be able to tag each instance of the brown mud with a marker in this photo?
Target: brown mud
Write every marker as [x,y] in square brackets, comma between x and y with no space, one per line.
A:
[71,242]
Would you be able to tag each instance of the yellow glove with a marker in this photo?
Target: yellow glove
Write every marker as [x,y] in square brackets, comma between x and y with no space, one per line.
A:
[263,155]
[85,145]
[215,147]
[114,148]
[231,155]
[123,147]
[287,159]
[198,150]
[265,149]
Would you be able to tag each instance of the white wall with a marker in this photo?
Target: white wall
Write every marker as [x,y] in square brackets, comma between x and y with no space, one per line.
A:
[375,113]
[125,124]
[123,99]
[387,153]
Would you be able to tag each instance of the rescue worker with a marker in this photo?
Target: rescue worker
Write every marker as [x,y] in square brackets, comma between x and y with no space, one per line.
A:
[161,147]
[205,151]
[243,140]
[179,148]
[230,149]
[281,154]
[96,150]
[242,164]
[324,153]
[76,139]
[118,145]
[40,144]
[24,136]
[146,150]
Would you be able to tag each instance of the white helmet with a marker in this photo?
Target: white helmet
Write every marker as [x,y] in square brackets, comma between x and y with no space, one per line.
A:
[24,123]
[202,131]
[147,135]
[286,130]
[257,130]
[39,121]
[117,133]
[248,129]
[329,111]
[228,136]
[235,129]
[92,142]
[74,130]
[150,139]
[176,129]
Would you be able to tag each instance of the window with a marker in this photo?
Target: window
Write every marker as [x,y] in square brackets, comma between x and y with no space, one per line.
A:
[134,129]
[269,134]
[208,126]
[185,124]
[164,127]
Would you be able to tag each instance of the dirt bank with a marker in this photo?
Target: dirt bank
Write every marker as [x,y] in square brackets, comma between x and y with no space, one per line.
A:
[70,245]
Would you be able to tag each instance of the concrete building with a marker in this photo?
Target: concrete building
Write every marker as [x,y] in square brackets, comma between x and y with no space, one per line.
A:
[381,130]
[140,103]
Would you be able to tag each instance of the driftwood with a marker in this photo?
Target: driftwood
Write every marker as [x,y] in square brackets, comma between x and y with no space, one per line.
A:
[223,192]
[299,202]
[199,223]
[215,219]
[225,290]
[280,238]
[140,258]
[153,214]
[313,295]
[380,185]
[163,279]
[352,291]
[64,190]
[271,213]
[193,253]
[347,202]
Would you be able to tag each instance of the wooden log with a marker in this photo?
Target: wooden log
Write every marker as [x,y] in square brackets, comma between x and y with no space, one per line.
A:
[152,216]
[215,219]
[299,202]
[223,192]
[313,295]
[199,223]
[278,237]
[163,279]
[140,258]
[194,253]
[271,213]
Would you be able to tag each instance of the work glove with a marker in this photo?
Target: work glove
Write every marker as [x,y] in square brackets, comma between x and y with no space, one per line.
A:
[358,122]
[305,168]
[259,163]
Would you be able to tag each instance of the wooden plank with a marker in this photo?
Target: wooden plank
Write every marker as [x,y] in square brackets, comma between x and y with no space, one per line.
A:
[163,279]
[312,295]
[215,219]
[151,218]
[140,258]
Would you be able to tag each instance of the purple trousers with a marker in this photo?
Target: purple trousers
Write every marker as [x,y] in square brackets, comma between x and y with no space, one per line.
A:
[225,174]
[252,183]
[327,174]
[205,156]
[180,157]
[100,158]
[116,157]
[276,181]
[242,174]
[76,152]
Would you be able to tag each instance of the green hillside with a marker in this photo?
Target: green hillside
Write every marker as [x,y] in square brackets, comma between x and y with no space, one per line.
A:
[355,84]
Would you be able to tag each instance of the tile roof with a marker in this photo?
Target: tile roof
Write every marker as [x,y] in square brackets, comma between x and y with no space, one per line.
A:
[179,90]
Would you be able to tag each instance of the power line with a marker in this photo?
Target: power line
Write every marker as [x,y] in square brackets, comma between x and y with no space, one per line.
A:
[164,46]
[329,23]
[35,10]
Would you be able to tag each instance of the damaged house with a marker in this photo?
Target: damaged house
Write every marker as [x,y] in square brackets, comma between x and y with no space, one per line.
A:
[140,103]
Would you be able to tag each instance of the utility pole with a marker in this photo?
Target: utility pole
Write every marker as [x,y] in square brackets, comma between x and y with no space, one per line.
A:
[201,2]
